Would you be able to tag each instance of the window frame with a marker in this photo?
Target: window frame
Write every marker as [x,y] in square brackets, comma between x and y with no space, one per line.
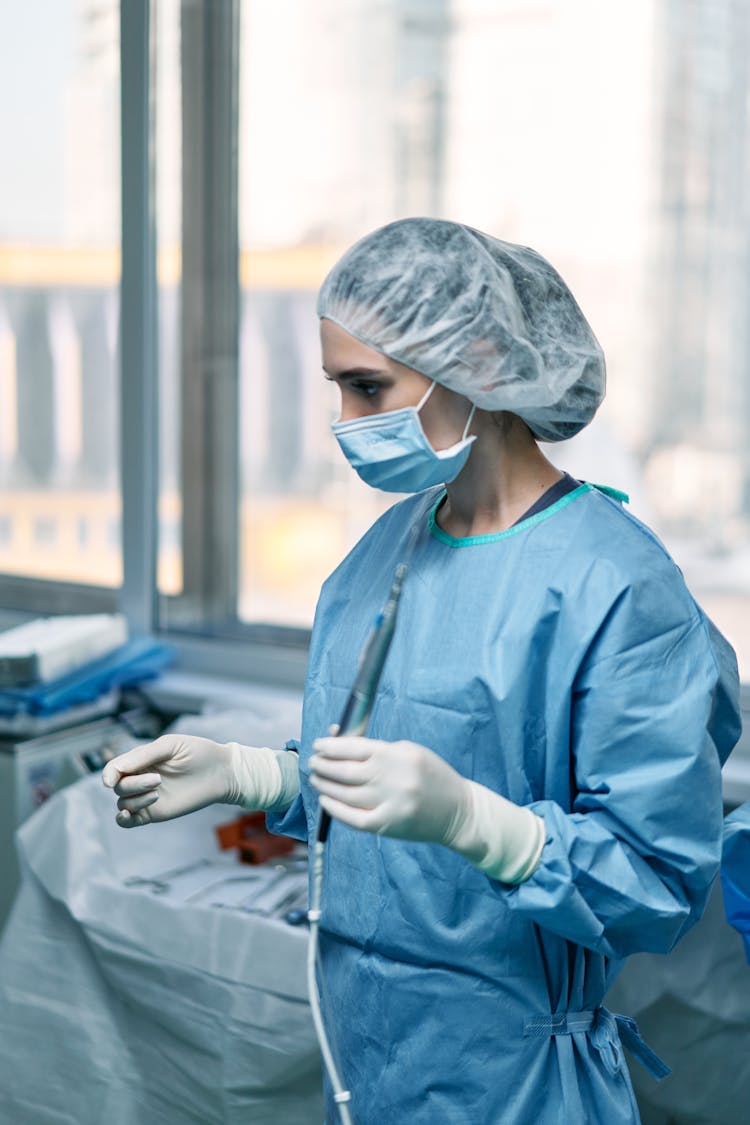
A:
[276,655]
[269,654]
[34,597]
[264,654]
[138,364]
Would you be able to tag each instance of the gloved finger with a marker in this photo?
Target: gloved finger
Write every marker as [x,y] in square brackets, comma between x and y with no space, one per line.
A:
[347,746]
[343,770]
[135,804]
[133,785]
[137,760]
[354,796]
[366,820]
[125,820]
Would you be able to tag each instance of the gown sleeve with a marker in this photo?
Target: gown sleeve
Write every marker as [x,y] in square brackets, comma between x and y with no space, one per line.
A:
[293,821]
[654,713]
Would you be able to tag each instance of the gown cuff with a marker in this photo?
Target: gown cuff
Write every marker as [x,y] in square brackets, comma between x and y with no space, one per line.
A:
[263,778]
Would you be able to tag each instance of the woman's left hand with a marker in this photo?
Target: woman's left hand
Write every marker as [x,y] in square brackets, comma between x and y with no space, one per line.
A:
[396,789]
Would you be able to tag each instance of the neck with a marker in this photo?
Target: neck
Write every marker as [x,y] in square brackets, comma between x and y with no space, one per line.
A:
[505,474]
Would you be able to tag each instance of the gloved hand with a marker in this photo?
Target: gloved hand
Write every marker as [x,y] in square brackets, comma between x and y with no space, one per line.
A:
[404,790]
[177,774]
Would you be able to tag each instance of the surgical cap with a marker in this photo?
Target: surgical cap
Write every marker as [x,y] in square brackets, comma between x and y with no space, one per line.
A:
[488,319]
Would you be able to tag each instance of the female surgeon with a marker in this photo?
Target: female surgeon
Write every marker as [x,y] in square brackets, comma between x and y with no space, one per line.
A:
[539,793]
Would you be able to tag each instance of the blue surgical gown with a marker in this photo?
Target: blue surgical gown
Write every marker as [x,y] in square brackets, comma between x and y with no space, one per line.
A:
[563,664]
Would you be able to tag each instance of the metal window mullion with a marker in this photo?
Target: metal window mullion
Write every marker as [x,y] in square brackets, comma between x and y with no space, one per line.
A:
[138,388]
[210,314]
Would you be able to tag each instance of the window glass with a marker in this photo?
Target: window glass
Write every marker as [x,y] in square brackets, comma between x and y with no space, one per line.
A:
[369,147]
[610,138]
[59,303]
[637,194]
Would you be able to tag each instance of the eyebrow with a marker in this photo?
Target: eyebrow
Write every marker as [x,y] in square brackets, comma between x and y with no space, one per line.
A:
[355,372]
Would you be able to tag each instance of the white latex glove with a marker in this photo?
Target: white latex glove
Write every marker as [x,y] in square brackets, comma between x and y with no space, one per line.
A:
[404,790]
[177,774]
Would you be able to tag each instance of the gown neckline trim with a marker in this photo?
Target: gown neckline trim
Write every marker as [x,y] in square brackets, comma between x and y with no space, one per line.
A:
[475,540]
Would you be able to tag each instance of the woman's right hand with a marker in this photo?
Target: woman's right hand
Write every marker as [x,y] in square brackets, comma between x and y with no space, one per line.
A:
[174,775]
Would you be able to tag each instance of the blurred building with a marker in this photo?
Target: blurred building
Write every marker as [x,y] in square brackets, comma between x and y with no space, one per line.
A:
[698,441]
[613,139]
[92,133]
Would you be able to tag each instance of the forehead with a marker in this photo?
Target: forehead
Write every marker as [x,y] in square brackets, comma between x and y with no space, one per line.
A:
[344,355]
[341,350]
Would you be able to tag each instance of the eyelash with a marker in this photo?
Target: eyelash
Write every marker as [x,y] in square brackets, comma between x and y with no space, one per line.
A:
[362,386]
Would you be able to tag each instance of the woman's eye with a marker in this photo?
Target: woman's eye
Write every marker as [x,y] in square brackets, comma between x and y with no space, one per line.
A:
[369,390]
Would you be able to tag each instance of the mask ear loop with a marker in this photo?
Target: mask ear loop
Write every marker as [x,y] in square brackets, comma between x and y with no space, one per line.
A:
[472,412]
[425,396]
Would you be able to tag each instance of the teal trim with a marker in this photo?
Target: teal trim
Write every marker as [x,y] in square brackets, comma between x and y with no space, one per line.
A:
[613,492]
[475,540]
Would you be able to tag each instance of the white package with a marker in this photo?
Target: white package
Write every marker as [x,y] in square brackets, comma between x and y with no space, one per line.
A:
[48,647]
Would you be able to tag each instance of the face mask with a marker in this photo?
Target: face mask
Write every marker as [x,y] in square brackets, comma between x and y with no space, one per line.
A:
[391,451]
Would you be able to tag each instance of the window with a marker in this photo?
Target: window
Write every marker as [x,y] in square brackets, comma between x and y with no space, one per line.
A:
[611,138]
[59,301]
[45,531]
[484,113]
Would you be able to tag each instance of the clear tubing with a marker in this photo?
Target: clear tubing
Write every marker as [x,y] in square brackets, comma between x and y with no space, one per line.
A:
[340,1095]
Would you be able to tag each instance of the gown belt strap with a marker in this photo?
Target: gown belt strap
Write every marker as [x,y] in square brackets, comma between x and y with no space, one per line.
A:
[607,1033]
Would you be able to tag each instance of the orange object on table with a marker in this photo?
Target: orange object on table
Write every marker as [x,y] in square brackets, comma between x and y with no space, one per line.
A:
[255,844]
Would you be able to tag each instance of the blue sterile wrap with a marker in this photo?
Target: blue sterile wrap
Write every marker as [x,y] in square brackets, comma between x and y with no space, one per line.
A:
[131,663]
[735,872]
